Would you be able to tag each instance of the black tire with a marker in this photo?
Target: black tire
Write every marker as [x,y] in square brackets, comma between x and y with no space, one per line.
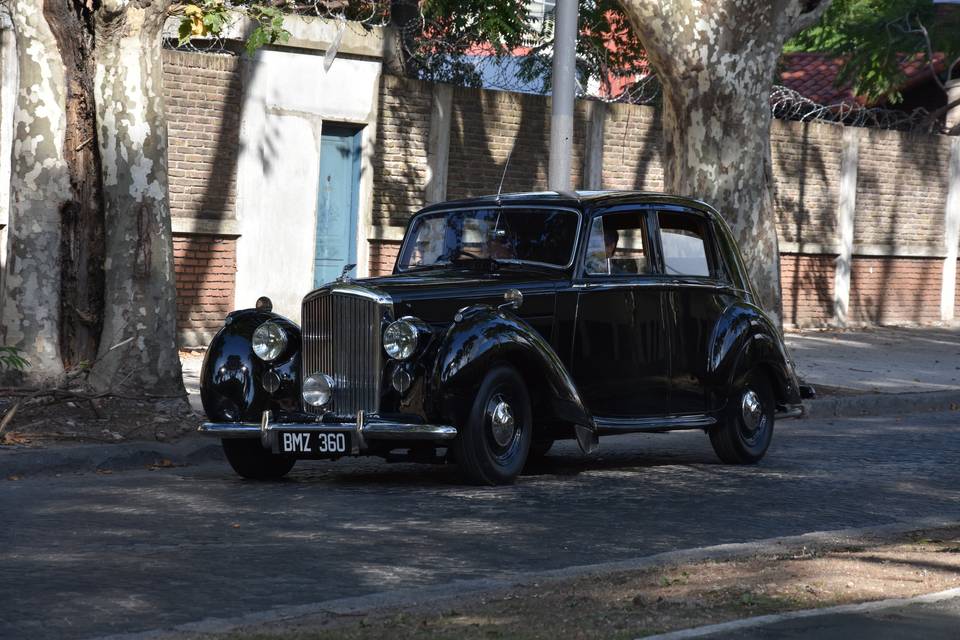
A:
[540,447]
[250,460]
[743,435]
[487,450]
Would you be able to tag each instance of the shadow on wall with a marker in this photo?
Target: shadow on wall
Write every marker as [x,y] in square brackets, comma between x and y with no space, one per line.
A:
[806,162]
[488,127]
[902,186]
[204,98]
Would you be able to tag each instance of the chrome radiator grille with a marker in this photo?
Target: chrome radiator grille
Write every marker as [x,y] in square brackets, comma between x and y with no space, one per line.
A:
[341,338]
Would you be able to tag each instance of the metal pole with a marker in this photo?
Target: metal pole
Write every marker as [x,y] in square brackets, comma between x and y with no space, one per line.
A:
[564,92]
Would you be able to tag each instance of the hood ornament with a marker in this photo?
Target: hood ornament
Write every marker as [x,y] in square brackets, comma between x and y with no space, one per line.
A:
[344,277]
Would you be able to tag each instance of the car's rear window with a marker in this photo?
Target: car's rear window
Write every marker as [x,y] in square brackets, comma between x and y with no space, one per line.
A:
[684,242]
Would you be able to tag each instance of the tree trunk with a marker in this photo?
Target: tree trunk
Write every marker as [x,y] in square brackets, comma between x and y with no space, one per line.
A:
[140,312]
[716,62]
[81,217]
[40,184]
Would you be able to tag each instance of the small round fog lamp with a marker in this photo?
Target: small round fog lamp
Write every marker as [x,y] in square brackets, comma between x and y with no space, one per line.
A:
[317,389]
[401,379]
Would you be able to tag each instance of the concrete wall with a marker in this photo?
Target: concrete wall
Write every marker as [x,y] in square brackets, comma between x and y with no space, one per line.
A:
[287,98]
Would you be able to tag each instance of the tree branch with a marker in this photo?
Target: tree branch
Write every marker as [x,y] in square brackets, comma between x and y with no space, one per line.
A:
[806,19]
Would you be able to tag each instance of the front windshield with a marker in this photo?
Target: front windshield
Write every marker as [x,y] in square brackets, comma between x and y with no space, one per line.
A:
[527,235]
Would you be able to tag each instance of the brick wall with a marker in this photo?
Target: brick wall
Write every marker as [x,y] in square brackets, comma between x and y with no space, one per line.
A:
[895,290]
[203,94]
[400,166]
[383,255]
[807,282]
[806,179]
[632,148]
[206,272]
[487,126]
[901,188]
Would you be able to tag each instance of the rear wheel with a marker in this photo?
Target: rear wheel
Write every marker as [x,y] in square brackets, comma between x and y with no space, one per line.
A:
[540,447]
[493,444]
[250,460]
[746,429]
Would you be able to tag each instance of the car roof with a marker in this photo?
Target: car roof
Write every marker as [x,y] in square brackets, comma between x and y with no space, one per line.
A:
[572,199]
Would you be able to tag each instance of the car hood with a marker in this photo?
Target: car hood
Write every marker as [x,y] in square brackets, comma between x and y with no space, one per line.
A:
[435,295]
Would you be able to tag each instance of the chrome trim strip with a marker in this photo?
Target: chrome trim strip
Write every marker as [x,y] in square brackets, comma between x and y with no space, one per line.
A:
[611,426]
[351,289]
[371,430]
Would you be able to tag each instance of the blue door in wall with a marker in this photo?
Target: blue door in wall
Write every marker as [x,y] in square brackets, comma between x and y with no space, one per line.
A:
[337,202]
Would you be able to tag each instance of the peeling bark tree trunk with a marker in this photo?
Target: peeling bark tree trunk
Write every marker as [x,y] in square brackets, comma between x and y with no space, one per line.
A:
[81,217]
[40,182]
[91,252]
[716,62]
[140,292]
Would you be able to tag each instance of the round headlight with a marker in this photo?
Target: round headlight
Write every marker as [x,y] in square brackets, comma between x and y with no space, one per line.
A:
[269,341]
[317,389]
[400,339]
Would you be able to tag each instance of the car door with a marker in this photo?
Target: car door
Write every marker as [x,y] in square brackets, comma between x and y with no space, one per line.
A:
[620,357]
[699,293]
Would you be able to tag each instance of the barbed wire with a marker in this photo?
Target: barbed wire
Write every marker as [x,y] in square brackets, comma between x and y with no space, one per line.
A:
[788,104]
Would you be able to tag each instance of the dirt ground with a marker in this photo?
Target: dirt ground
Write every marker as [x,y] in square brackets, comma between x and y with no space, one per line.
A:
[77,415]
[632,604]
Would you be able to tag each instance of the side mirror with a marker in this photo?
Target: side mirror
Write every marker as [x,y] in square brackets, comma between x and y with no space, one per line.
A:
[513,299]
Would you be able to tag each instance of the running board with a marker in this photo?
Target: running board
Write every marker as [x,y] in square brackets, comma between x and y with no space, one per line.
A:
[612,426]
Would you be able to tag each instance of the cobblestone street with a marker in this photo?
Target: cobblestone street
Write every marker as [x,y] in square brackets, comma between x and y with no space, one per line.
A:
[86,555]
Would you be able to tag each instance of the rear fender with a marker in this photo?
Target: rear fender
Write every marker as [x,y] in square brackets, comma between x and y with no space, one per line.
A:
[482,336]
[743,340]
[230,381]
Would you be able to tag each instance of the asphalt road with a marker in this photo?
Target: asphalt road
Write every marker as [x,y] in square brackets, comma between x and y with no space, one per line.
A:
[85,555]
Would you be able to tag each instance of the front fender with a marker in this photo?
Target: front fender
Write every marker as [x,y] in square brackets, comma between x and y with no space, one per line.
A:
[482,336]
[745,338]
[230,380]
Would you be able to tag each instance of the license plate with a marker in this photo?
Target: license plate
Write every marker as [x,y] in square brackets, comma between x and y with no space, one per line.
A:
[313,444]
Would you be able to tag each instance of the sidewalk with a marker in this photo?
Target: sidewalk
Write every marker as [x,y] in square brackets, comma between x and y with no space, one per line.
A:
[879,370]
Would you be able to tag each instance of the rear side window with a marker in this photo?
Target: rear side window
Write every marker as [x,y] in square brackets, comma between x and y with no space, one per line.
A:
[683,238]
[616,246]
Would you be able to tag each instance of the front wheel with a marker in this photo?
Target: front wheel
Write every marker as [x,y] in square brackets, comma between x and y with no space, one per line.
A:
[746,427]
[493,444]
[250,460]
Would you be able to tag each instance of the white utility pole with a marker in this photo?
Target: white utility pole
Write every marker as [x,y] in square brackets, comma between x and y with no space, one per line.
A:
[564,92]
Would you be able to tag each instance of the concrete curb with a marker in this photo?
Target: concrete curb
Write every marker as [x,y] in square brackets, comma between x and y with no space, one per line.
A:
[881,404]
[28,461]
[436,595]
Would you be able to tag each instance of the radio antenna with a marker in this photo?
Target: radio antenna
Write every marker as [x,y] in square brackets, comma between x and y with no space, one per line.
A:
[506,165]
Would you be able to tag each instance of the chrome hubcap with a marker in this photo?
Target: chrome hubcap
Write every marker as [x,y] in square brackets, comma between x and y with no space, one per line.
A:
[502,424]
[751,410]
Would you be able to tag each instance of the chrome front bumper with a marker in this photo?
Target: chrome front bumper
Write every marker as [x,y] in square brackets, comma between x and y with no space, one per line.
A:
[364,428]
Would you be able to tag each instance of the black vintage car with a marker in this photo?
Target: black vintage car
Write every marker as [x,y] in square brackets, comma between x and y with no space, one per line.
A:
[510,322]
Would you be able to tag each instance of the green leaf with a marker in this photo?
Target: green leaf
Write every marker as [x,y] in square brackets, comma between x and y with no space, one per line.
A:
[184,31]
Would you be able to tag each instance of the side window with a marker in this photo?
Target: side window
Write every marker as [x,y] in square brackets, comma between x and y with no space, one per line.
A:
[684,241]
[616,245]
